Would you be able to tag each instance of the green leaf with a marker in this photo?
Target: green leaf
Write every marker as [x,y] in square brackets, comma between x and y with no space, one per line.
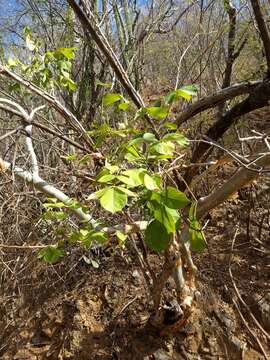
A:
[170,125]
[150,182]
[70,157]
[126,191]
[106,178]
[98,236]
[149,138]
[54,215]
[157,112]
[196,237]
[178,138]
[135,175]
[96,195]
[126,180]
[156,236]
[164,216]
[132,154]
[163,148]
[50,254]
[106,85]
[68,53]
[187,92]
[121,236]
[102,172]
[71,85]
[12,62]
[173,198]
[112,168]
[54,205]
[192,89]
[13,88]
[110,99]
[124,105]
[171,97]
[113,200]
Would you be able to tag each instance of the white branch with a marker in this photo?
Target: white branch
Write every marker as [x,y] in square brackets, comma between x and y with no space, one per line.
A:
[30,148]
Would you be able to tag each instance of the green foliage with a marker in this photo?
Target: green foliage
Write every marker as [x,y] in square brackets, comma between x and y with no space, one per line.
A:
[155,149]
[47,70]
[113,199]
[123,185]
[186,92]
[88,237]
[157,112]
[173,198]
[112,98]
[50,254]
[196,236]
[156,236]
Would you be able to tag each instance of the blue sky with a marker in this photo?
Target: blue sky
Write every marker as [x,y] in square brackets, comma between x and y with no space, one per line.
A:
[7,6]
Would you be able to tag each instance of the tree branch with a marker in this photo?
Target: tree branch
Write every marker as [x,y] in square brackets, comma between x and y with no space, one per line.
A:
[258,98]
[211,101]
[263,31]
[241,178]
[89,24]
[63,111]
[95,155]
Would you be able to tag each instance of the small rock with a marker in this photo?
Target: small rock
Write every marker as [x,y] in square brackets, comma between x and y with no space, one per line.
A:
[161,355]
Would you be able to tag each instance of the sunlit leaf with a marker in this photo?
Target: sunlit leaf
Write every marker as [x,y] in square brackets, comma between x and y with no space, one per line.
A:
[157,112]
[150,182]
[113,200]
[121,236]
[124,105]
[126,191]
[134,175]
[110,99]
[68,53]
[106,178]
[106,85]
[163,148]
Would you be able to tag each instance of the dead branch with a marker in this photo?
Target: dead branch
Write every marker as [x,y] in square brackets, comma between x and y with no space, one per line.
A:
[242,177]
[257,99]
